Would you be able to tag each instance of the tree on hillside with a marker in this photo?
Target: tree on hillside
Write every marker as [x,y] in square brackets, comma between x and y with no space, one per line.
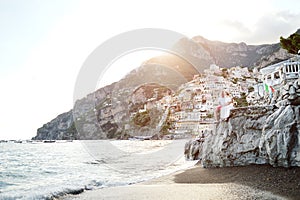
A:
[292,43]
[241,102]
[225,73]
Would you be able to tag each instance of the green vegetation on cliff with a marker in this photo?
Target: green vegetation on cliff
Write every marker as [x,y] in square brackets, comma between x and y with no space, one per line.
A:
[292,43]
[142,119]
[241,102]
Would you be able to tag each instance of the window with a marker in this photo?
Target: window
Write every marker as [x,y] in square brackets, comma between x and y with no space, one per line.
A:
[276,75]
[284,69]
[293,68]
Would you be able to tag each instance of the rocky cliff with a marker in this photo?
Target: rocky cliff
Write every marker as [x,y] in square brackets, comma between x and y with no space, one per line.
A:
[60,128]
[257,135]
[108,113]
[254,135]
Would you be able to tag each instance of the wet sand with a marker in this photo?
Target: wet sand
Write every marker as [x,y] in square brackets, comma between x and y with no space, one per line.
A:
[277,180]
[250,182]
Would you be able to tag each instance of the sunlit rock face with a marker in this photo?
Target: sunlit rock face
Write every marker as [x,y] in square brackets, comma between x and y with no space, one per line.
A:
[59,128]
[280,141]
[236,142]
[254,135]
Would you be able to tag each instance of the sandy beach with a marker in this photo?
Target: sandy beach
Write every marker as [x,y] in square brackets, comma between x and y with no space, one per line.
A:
[250,182]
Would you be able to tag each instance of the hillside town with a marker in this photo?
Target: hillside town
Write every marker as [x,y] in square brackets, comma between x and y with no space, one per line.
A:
[191,109]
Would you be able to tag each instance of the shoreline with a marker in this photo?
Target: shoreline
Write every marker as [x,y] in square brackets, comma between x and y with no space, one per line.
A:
[245,182]
[97,193]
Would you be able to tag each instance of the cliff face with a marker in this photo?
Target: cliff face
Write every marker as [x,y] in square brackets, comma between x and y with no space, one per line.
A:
[254,135]
[60,128]
[257,135]
[280,140]
[107,113]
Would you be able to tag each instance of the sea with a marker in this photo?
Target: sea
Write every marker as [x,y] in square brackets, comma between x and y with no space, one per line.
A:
[38,170]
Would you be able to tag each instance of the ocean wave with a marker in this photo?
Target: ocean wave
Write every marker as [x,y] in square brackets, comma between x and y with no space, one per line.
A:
[4,184]
[49,173]
[50,193]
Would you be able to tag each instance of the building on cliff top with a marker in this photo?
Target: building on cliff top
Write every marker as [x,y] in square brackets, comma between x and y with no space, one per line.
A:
[274,75]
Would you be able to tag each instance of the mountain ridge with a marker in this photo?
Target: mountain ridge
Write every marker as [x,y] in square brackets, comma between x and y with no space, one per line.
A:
[227,55]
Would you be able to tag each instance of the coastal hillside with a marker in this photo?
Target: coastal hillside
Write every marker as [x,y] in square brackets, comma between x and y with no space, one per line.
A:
[108,112]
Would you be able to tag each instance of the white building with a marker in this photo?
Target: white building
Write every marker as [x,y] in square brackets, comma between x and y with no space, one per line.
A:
[239,72]
[273,75]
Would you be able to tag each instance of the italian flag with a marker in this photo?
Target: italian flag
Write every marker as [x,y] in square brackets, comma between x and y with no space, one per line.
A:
[269,88]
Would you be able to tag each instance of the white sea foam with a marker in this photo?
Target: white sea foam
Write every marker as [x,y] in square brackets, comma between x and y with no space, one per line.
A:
[39,171]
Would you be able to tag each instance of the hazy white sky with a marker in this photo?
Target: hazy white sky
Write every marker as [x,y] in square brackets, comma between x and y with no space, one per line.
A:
[44,43]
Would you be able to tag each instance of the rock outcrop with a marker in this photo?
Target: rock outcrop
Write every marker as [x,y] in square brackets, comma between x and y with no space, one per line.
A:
[289,93]
[253,135]
[60,128]
[280,139]
[235,142]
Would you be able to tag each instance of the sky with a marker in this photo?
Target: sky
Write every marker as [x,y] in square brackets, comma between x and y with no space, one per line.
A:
[44,44]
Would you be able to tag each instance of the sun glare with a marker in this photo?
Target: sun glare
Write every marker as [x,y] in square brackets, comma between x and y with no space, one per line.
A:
[124,64]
